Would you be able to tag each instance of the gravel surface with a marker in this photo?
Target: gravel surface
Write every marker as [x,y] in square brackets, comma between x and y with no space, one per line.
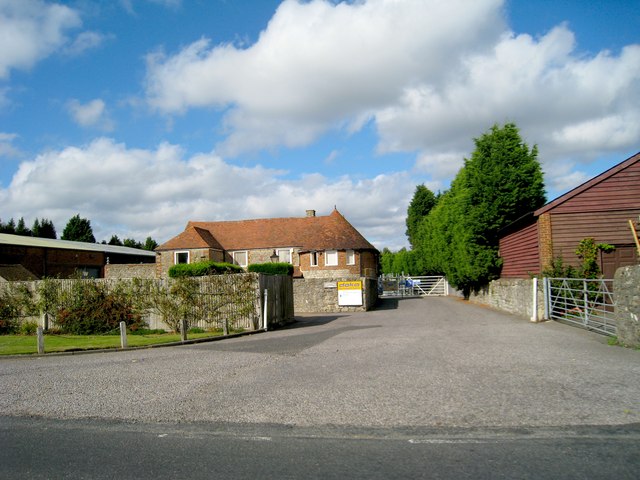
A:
[436,362]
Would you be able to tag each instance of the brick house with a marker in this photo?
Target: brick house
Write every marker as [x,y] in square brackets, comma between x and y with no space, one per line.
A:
[599,208]
[317,246]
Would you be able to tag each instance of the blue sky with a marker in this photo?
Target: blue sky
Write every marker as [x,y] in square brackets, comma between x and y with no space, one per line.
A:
[143,114]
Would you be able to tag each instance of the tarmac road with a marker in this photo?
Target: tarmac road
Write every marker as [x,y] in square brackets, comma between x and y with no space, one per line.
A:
[437,374]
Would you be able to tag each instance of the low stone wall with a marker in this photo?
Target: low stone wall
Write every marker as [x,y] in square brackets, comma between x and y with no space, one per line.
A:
[626,285]
[315,295]
[129,270]
[511,295]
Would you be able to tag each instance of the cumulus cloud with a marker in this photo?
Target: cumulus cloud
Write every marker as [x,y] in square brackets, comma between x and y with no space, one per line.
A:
[90,114]
[86,41]
[155,192]
[319,65]
[32,30]
[430,75]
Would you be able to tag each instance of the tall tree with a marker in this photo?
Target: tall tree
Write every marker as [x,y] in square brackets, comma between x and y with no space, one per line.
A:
[79,230]
[132,243]
[9,227]
[499,183]
[421,204]
[115,241]
[21,228]
[150,244]
[47,229]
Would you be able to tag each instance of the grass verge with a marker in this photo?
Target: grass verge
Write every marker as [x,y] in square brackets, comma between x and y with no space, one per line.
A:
[24,344]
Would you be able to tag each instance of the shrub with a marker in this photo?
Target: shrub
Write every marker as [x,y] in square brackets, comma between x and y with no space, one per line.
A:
[200,269]
[272,268]
[28,328]
[93,310]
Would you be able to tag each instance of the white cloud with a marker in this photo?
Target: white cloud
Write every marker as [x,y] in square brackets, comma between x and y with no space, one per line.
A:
[430,75]
[86,41]
[319,66]
[155,192]
[90,114]
[32,30]
[7,149]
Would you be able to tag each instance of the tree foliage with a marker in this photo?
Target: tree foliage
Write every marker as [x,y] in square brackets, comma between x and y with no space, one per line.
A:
[421,204]
[78,230]
[43,229]
[499,183]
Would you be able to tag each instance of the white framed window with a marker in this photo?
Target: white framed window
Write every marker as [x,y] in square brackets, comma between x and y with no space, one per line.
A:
[180,257]
[331,258]
[241,258]
[351,257]
[284,255]
[313,259]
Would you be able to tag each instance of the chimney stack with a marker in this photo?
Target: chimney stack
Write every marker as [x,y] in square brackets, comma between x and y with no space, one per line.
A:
[311,213]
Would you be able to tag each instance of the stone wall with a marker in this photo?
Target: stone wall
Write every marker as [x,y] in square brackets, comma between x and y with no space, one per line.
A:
[626,285]
[315,295]
[512,295]
[130,270]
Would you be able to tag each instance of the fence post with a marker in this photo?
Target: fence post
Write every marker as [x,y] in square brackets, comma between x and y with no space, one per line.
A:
[183,329]
[585,293]
[40,335]
[45,321]
[546,295]
[123,335]
[534,314]
[265,310]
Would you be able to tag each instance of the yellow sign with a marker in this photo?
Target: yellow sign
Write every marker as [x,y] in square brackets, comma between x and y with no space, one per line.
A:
[357,285]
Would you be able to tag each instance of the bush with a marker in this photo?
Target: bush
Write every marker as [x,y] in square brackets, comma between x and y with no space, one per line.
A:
[28,328]
[271,268]
[200,269]
[93,310]
[8,315]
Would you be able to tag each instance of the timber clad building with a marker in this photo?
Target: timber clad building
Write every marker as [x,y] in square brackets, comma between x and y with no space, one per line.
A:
[317,246]
[600,208]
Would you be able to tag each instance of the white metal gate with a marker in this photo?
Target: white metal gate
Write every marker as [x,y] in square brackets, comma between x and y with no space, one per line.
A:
[414,286]
[585,302]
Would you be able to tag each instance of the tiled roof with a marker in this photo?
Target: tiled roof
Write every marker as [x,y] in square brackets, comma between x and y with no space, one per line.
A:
[306,233]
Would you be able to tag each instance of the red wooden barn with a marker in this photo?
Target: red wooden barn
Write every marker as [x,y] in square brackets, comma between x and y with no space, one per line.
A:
[600,208]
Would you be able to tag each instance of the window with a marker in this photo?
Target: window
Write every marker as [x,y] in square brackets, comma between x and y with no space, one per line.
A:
[240,258]
[181,257]
[284,255]
[313,256]
[331,258]
[351,257]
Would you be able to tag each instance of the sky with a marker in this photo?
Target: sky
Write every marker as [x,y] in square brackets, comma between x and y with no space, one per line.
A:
[141,115]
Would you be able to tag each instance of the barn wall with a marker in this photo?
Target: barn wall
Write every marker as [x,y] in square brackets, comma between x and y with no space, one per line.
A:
[520,253]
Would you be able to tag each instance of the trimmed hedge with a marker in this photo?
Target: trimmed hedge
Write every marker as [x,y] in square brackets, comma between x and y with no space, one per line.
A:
[200,269]
[272,268]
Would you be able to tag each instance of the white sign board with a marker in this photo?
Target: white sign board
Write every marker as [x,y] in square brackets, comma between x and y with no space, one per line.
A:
[350,293]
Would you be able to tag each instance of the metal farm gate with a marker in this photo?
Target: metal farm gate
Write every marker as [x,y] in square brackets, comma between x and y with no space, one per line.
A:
[414,286]
[584,302]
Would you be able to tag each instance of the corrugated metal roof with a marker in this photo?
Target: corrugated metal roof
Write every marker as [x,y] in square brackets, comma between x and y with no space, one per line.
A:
[19,240]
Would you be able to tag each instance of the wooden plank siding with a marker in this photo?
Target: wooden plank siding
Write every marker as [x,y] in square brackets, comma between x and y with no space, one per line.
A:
[520,253]
[619,192]
[604,227]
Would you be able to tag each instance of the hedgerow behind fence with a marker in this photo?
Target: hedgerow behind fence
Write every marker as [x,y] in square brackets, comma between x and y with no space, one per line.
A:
[219,301]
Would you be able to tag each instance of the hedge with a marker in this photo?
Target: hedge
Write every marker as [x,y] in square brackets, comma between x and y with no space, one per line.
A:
[272,268]
[200,269]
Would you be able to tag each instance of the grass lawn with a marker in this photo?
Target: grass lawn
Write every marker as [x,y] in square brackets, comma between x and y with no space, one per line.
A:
[19,344]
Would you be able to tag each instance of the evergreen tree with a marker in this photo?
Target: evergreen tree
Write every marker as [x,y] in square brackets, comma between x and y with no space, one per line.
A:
[131,243]
[21,228]
[35,228]
[79,230]
[499,183]
[9,227]
[421,204]
[47,229]
[115,241]
[150,244]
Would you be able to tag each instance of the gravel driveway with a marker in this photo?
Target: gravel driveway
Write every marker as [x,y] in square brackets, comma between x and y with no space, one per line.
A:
[435,362]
